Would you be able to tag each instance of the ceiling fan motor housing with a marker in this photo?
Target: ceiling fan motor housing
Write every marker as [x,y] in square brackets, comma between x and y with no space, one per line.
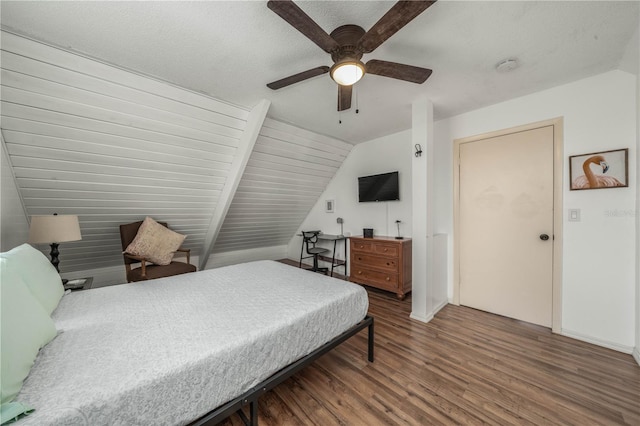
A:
[347,36]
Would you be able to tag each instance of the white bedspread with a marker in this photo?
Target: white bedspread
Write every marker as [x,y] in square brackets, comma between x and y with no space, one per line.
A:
[167,351]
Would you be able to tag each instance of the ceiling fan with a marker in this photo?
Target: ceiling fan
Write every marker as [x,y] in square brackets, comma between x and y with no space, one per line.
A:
[348,43]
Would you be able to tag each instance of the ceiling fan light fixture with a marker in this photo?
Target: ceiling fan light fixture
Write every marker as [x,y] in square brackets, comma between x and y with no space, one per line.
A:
[347,72]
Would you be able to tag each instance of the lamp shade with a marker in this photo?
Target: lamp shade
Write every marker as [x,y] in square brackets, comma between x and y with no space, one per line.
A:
[54,229]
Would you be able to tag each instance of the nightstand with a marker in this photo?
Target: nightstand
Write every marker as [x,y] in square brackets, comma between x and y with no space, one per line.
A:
[79,284]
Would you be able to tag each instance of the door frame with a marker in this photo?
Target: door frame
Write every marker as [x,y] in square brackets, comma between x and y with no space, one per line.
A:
[558,173]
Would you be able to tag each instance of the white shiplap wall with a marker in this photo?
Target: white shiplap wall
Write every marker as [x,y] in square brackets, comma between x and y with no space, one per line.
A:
[14,228]
[287,171]
[111,146]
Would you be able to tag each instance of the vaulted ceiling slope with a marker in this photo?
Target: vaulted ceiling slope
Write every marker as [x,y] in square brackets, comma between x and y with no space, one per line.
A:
[112,147]
[288,170]
[245,45]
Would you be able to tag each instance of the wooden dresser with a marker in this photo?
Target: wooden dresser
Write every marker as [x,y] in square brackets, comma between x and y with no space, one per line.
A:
[382,262]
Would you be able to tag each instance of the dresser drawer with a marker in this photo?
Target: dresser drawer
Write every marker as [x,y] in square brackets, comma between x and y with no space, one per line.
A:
[375,247]
[375,262]
[363,246]
[383,280]
[387,250]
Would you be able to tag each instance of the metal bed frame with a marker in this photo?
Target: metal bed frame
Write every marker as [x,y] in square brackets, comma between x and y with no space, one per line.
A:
[251,396]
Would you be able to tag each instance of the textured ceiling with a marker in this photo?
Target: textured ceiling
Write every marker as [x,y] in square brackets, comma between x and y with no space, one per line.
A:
[231,49]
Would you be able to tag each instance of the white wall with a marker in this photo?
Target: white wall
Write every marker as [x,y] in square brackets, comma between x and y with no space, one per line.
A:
[422,211]
[430,265]
[216,260]
[13,219]
[599,252]
[386,154]
[636,352]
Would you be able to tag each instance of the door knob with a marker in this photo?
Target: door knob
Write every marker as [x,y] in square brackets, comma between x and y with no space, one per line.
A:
[544,237]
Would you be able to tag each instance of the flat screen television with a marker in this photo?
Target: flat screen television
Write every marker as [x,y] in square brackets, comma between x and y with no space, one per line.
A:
[382,187]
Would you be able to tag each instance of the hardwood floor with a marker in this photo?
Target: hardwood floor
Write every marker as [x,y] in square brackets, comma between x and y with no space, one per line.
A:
[464,367]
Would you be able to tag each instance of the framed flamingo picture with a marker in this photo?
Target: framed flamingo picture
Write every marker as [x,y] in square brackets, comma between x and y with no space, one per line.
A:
[599,170]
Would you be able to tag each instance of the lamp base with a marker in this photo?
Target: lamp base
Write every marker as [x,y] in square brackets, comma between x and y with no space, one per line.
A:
[399,238]
[54,256]
[55,261]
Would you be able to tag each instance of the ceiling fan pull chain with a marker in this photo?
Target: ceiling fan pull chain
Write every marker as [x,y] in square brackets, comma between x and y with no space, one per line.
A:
[357,108]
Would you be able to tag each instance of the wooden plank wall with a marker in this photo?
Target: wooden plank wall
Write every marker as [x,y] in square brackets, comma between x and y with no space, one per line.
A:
[287,172]
[111,146]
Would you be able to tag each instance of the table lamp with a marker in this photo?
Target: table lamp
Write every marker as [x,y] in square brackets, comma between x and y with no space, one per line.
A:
[398,222]
[54,229]
[341,221]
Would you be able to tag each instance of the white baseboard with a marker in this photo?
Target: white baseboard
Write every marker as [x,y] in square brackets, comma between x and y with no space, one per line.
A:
[439,307]
[421,318]
[430,315]
[596,341]
[217,260]
[578,336]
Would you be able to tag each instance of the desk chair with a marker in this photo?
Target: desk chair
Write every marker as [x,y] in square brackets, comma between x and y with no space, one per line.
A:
[309,240]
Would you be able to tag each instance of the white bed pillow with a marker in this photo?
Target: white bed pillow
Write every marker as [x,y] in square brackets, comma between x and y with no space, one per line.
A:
[25,328]
[155,242]
[38,273]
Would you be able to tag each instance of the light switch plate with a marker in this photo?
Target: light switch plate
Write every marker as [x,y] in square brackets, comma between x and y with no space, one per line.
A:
[574,215]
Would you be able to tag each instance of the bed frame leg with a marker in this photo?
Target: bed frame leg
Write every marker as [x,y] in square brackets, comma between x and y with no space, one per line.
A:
[371,341]
[252,420]
[253,413]
[243,417]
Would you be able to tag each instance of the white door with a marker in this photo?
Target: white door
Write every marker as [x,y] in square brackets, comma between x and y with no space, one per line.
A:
[506,225]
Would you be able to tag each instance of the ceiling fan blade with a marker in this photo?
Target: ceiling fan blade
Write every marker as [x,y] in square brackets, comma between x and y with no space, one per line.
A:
[296,78]
[344,97]
[397,17]
[400,71]
[295,16]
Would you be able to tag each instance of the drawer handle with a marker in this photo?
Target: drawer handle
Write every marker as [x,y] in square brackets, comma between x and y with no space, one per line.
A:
[359,272]
[361,246]
[388,279]
[386,249]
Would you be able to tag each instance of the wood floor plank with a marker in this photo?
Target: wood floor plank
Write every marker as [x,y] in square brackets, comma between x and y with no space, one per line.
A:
[464,367]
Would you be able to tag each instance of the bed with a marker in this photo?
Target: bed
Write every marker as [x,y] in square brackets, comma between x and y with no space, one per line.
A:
[188,349]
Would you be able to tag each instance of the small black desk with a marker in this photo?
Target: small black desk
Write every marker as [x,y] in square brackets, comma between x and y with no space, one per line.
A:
[335,239]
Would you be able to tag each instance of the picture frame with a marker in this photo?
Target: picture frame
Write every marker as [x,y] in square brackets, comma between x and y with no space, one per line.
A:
[329,206]
[599,170]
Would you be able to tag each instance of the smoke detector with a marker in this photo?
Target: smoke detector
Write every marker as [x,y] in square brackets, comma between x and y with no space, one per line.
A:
[507,65]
